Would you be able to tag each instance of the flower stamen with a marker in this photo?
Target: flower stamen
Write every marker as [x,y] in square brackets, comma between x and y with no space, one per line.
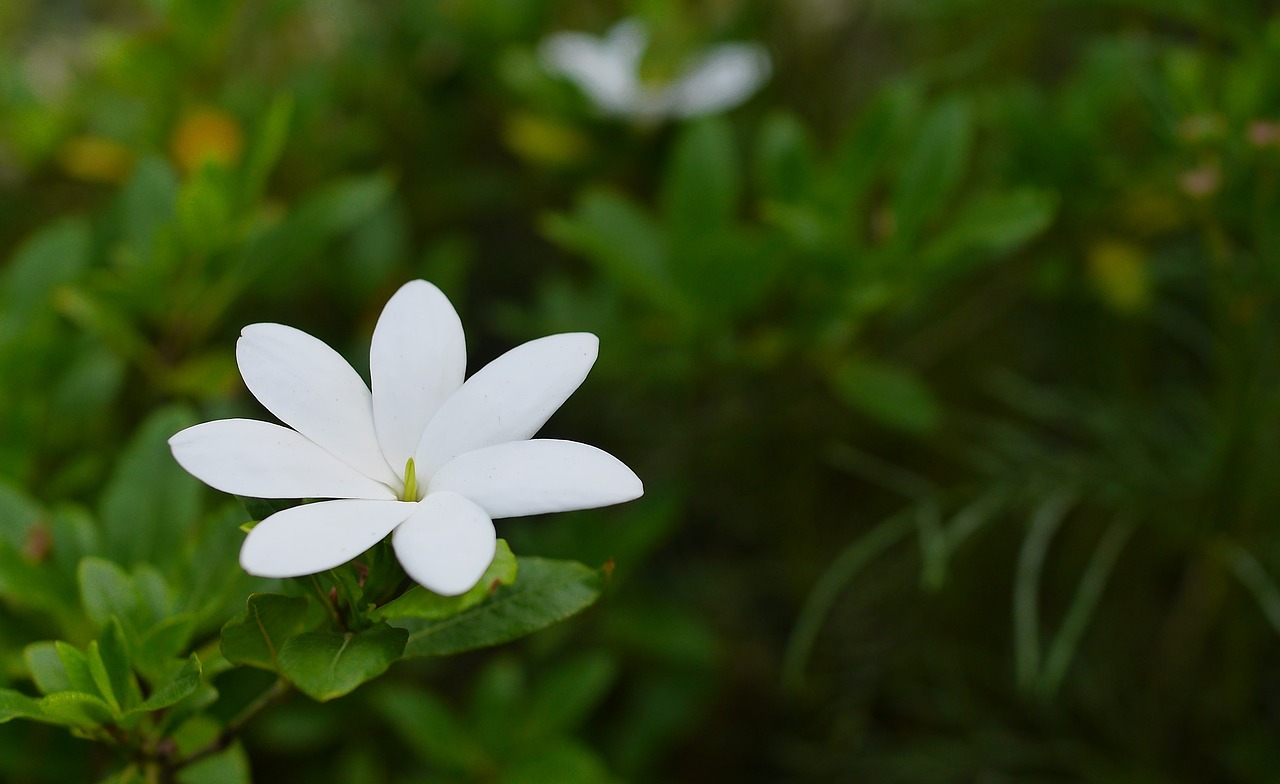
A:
[410,482]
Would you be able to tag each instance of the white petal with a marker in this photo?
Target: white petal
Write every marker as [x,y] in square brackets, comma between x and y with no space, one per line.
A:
[607,70]
[725,77]
[534,477]
[262,460]
[446,544]
[418,359]
[311,388]
[314,537]
[507,400]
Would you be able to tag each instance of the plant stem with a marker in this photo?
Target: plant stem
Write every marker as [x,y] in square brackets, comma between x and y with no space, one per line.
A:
[228,734]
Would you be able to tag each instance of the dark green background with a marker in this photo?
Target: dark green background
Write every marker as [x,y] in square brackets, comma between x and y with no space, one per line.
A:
[949,362]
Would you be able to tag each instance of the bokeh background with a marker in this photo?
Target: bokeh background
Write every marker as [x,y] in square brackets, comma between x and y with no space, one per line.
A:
[949,360]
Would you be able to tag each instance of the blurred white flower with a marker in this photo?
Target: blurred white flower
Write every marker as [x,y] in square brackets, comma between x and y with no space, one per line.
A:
[607,70]
[424,455]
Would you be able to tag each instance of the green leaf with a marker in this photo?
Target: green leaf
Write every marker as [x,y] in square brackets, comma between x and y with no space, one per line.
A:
[564,698]
[418,602]
[101,679]
[110,648]
[862,154]
[545,592]
[992,224]
[326,665]
[53,257]
[276,254]
[785,167]
[106,321]
[76,667]
[183,684]
[75,536]
[260,509]
[934,166]
[147,203]
[205,210]
[226,767]
[621,241]
[563,761]
[45,667]
[106,591]
[702,186]
[432,730]
[265,147]
[16,705]
[76,709]
[889,394]
[18,514]
[255,636]
[150,503]
[155,599]
[726,273]
[34,585]
[159,645]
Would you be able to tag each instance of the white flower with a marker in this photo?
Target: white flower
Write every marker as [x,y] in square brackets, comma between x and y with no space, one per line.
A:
[608,70]
[424,455]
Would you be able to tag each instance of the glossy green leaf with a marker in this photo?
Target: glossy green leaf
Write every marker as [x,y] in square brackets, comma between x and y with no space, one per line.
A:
[76,667]
[76,709]
[110,649]
[16,705]
[101,679]
[546,591]
[418,602]
[44,665]
[159,645]
[325,665]
[255,636]
[183,684]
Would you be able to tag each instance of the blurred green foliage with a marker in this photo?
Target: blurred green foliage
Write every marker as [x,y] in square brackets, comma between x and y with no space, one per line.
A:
[949,361]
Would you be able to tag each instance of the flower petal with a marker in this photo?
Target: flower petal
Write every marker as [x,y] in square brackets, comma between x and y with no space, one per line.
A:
[314,537]
[507,400]
[534,477]
[725,77]
[261,460]
[446,544]
[418,359]
[311,388]
[606,69]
